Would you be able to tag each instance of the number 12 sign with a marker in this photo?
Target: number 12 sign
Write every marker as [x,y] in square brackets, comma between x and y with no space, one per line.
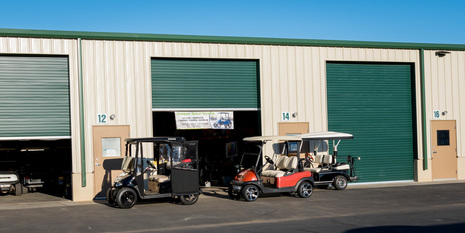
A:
[102,118]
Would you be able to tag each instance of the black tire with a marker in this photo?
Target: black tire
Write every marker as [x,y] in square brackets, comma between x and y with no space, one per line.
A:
[340,182]
[126,198]
[189,199]
[18,189]
[233,195]
[250,192]
[110,199]
[305,189]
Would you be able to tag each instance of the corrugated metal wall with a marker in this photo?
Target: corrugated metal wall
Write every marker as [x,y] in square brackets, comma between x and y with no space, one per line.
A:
[444,85]
[292,78]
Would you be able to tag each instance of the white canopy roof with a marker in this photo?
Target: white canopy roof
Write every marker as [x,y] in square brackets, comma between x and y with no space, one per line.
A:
[271,138]
[327,135]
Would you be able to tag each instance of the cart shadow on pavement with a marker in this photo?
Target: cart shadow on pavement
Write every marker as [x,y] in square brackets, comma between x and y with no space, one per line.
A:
[141,202]
[218,192]
[458,227]
[222,193]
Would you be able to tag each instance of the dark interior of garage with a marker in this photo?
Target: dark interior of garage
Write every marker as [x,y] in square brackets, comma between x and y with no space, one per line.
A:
[217,165]
[45,162]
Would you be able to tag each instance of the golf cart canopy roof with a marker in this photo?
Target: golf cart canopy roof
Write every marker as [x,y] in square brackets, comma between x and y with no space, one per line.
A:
[328,135]
[271,138]
[156,139]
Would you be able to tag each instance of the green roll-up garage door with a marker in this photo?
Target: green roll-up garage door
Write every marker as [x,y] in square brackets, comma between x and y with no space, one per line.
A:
[34,97]
[374,102]
[204,84]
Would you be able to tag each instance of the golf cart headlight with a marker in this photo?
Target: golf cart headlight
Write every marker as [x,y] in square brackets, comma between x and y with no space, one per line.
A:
[118,184]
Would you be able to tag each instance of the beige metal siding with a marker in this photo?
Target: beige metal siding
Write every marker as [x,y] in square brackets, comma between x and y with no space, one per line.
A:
[37,46]
[117,79]
[444,85]
[292,78]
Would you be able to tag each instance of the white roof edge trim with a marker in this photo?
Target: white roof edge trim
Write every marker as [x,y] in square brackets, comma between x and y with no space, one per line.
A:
[271,138]
[326,135]
[34,138]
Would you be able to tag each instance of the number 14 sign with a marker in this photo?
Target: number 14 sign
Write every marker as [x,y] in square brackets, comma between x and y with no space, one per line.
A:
[285,116]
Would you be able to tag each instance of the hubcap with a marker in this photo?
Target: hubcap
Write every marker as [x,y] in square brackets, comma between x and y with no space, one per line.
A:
[128,198]
[342,183]
[252,193]
[190,197]
[306,190]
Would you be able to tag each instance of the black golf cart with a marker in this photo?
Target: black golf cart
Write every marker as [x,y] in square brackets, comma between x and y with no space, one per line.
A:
[282,172]
[324,166]
[171,172]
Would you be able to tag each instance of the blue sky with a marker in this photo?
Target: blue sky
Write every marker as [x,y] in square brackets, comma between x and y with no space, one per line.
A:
[426,21]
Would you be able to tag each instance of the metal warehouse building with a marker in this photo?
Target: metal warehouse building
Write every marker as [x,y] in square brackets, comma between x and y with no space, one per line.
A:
[69,99]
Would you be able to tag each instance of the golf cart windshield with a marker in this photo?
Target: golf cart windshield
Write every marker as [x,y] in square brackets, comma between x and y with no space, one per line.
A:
[251,156]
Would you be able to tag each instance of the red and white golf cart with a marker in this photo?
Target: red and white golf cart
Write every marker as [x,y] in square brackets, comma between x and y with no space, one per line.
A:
[281,173]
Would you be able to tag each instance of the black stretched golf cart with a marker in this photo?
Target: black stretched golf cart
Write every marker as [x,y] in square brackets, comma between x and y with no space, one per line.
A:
[171,172]
[324,167]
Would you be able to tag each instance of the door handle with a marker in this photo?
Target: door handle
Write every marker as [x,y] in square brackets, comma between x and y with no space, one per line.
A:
[98,164]
[434,152]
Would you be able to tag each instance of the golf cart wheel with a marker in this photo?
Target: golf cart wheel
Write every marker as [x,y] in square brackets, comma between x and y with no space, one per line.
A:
[340,182]
[110,199]
[233,195]
[126,198]
[250,192]
[18,189]
[305,189]
[189,199]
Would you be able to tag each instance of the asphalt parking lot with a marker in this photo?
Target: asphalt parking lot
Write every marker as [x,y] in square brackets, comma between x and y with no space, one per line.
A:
[392,207]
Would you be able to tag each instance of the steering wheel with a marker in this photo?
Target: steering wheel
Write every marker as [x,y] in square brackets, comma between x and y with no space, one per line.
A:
[309,157]
[268,159]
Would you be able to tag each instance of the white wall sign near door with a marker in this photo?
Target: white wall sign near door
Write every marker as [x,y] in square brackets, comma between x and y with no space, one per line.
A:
[102,118]
[285,116]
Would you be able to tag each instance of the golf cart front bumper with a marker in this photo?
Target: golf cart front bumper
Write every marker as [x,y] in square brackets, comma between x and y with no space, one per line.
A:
[236,186]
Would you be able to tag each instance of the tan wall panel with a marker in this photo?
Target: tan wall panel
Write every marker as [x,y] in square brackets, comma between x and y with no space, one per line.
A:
[444,84]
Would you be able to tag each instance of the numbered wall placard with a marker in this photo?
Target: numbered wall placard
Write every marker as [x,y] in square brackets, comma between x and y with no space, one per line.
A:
[102,118]
[285,116]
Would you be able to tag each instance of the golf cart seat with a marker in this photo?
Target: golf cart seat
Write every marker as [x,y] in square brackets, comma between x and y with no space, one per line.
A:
[343,166]
[159,178]
[319,163]
[162,178]
[283,166]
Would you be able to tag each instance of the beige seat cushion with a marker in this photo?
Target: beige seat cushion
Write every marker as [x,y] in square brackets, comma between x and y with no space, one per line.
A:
[313,169]
[342,167]
[292,163]
[275,173]
[284,165]
[159,178]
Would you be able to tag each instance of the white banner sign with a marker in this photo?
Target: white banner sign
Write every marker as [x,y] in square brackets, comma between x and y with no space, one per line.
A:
[204,120]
